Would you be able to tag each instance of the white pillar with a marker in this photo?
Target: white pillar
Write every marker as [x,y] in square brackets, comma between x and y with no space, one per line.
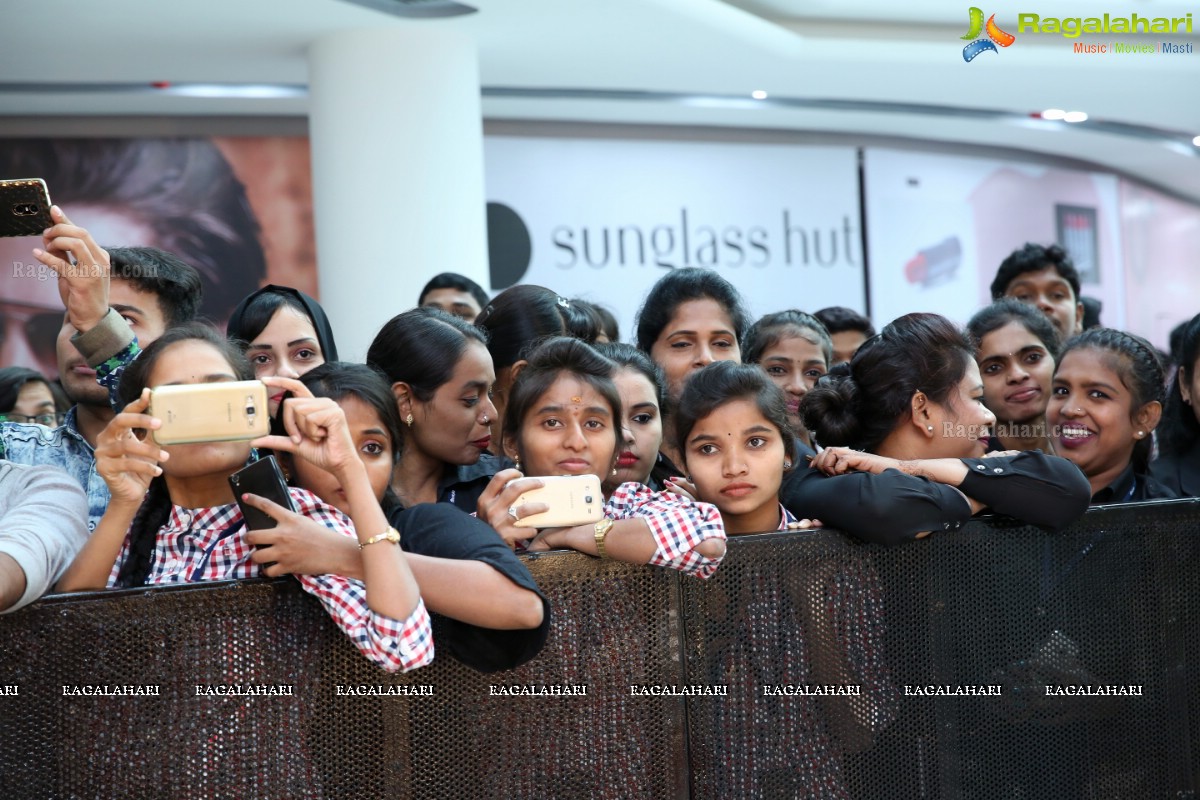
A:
[396,132]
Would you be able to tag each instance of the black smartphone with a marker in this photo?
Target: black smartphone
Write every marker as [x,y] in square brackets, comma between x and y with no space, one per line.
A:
[265,479]
[24,207]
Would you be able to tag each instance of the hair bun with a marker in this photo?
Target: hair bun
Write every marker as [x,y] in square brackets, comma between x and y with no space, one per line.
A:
[830,410]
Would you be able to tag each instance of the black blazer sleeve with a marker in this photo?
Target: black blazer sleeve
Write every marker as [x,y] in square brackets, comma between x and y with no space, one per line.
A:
[888,508]
[1042,490]
[892,507]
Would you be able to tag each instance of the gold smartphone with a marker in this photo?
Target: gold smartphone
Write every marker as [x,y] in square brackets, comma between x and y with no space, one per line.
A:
[573,500]
[24,207]
[210,412]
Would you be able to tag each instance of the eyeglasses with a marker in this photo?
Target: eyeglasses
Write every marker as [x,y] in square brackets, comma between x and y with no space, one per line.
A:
[39,324]
[50,419]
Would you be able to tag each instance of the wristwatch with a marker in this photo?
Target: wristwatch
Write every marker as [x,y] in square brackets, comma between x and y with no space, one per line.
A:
[602,529]
[390,535]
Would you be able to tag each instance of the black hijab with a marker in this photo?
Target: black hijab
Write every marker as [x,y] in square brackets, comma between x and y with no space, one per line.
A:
[250,315]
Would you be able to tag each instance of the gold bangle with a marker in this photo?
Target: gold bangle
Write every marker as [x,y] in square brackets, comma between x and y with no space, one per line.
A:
[602,528]
[390,535]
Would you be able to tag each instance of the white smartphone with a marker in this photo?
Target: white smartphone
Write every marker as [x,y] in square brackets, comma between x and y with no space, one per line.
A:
[573,500]
[210,412]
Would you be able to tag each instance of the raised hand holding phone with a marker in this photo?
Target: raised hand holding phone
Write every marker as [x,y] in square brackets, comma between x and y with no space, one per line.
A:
[83,283]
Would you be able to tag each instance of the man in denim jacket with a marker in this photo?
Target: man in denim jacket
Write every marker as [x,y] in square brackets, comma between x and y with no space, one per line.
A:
[149,290]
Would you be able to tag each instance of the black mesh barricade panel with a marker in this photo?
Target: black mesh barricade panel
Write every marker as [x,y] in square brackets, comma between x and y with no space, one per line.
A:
[999,662]
[458,734]
[810,666]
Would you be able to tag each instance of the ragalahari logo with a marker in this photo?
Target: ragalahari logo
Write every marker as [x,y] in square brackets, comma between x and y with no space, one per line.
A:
[995,36]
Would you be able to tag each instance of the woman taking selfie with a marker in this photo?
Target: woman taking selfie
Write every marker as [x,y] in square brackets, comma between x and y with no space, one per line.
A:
[563,418]
[905,431]
[180,523]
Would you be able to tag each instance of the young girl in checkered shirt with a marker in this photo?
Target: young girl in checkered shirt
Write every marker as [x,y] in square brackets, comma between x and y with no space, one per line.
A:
[178,522]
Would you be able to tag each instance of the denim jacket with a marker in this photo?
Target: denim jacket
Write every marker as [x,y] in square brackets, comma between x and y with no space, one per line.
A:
[63,447]
[109,348]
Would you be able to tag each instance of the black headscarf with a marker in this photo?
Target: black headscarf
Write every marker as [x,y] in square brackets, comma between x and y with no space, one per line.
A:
[237,328]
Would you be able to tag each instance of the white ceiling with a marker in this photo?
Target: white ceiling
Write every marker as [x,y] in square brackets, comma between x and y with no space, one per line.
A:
[698,59]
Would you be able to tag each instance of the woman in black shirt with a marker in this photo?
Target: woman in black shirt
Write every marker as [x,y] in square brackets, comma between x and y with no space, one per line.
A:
[1178,462]
[1105,402]
[441,376]
[500,622]
[905,432]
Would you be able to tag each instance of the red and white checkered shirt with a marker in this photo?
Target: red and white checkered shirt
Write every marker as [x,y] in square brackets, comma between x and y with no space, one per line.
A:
[678,525]
[209,544]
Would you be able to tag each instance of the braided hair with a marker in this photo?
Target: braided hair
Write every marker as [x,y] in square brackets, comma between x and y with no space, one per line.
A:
[156,507]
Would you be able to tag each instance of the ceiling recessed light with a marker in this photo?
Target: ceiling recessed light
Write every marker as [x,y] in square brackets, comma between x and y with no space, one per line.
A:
[759,94]
[1075,116]
[1053,113]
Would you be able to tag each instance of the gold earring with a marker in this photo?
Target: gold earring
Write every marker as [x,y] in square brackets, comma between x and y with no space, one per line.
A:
[408,420]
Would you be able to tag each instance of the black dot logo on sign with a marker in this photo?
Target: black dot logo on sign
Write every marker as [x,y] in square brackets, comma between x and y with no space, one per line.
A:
[509,246]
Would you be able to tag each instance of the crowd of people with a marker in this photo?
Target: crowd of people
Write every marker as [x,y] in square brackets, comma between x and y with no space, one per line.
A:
[407,473]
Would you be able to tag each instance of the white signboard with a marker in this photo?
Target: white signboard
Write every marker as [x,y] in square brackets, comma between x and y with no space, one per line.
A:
[604,219]
[939,226]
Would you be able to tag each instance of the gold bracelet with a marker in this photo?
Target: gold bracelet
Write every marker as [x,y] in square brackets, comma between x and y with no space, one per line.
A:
[390,535]
[602,528]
